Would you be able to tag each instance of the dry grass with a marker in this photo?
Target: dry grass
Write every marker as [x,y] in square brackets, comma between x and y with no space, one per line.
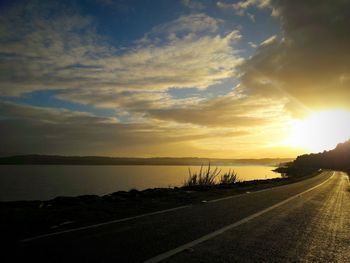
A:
[229,178]
[208,177]
[205,177]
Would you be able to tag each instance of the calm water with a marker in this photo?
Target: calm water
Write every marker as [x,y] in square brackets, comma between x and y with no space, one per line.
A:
[42,182]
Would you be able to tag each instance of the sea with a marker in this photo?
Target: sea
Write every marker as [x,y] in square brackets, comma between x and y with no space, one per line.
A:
[44,182]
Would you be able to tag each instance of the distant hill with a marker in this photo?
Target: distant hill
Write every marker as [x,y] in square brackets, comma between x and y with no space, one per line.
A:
[96,160]
[336,159]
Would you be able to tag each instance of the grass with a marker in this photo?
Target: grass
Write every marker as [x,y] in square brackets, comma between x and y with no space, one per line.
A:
[209,177]
[229,178]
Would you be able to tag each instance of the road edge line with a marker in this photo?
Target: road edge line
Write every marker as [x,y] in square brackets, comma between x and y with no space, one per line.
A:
[25,240]
[220,231]
[103,224]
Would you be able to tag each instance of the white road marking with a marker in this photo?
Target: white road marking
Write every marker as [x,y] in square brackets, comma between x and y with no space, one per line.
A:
[245,193]
[202,239]
[103,224]
[128,218]
[131,218]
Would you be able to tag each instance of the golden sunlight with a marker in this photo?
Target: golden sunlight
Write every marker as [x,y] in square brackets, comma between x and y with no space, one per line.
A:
[321,130]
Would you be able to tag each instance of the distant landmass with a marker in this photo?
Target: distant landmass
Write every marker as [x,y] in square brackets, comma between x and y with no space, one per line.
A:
[336,159]
[97,160]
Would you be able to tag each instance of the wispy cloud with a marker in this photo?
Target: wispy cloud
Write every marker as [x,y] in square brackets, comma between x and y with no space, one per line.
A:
[187,24]
[241,7]
[270,40]
[65,53]
[231,110]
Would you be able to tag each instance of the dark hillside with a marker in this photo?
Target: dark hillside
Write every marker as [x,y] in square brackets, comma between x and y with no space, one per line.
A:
[336,159]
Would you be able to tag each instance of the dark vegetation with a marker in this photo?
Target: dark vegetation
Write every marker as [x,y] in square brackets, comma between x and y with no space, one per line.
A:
[96,160]
[336,159]
[208,178]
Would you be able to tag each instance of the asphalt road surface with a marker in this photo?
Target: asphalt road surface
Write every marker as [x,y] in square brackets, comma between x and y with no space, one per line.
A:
[308,221]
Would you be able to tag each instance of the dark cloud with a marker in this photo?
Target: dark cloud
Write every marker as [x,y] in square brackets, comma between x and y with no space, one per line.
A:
[29,129]
[310,65]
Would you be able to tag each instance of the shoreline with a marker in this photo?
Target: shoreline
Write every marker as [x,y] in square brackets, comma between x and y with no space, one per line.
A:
[23,219]
[45,182]
[35,159]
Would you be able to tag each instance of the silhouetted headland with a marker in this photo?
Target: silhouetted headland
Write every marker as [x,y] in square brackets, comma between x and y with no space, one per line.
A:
[336,159]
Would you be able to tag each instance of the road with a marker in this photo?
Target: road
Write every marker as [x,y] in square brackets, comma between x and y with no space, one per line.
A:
[308,221]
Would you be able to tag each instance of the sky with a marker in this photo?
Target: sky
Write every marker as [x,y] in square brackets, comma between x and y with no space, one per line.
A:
[223,79]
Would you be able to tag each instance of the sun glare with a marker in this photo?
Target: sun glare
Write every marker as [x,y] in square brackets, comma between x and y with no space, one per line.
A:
[321,131]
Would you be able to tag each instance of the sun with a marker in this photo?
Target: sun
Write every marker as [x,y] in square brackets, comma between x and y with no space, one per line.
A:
[320,131]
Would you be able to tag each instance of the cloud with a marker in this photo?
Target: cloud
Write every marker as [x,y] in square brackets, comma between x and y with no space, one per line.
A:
[241,7]
[143,76]
[32,129]
[268,41]
[252,44]
[310,65]
[251,17]
[65,53]
[192,4]
[135,101]
[185,24]
[305,67]
[37,46]
[27,129]
[231,110]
